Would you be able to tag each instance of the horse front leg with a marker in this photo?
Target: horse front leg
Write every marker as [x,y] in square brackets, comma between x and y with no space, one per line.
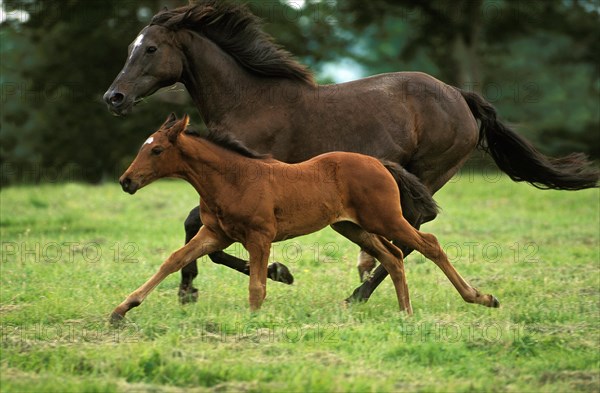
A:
[188,293]
[205,242]
[258,247]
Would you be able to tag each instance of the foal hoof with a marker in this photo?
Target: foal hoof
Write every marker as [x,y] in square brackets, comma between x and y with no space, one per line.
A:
[116,319]
[189,295]
[494,303]
[279,272]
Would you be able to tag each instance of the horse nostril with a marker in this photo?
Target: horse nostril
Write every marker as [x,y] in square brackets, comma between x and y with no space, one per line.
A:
[116,99]
[125,183]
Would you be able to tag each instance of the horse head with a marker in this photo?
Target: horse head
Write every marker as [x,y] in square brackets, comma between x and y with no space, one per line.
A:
[154,61]
[158,157]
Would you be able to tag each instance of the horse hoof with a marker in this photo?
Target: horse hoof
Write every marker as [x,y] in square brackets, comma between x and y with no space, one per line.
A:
[358,296]
[279,272]
[188,295]
[116,319]
[494,303]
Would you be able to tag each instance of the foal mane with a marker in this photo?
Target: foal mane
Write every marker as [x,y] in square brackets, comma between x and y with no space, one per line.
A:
[228,142]
[239,33]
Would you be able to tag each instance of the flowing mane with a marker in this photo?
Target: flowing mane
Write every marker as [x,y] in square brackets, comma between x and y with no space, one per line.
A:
[227,141]
[239,33]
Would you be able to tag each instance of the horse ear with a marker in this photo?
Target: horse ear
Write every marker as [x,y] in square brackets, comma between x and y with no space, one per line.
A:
[170,121]
[175,130]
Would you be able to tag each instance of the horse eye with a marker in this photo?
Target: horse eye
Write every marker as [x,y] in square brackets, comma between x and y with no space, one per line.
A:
[151,49]
[157,150]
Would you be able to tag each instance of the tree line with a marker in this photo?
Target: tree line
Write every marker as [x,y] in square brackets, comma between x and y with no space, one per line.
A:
[536,61]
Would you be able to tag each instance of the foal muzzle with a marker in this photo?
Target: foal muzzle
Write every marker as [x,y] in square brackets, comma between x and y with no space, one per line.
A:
[128,185]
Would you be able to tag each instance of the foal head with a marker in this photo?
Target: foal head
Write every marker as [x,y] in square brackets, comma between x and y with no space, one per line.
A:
[158,157]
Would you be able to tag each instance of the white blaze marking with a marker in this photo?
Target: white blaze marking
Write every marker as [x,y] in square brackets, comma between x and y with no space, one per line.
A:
[136,44]
[138,41]
[149,141]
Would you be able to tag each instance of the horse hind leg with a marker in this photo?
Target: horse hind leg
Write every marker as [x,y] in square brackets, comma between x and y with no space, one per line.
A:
[365,264]
[428,245]
[372,281]
[395,267]
[389,256]
[433,180]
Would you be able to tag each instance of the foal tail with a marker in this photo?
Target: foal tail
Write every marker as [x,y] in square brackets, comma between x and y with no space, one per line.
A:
[521,161]
[415,198]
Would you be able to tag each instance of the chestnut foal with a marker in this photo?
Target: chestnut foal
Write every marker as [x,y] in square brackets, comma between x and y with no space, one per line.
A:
[256,200]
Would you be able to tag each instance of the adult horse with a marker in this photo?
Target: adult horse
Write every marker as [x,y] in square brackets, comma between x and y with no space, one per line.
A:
[243,83]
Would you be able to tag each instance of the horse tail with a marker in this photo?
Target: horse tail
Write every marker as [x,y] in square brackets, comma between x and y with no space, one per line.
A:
[416,200]
[516,157]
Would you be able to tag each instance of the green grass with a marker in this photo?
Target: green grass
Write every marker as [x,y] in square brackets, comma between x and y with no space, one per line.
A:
[71,253]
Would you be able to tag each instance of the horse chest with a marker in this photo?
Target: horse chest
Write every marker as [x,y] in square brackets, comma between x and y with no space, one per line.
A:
[238,225]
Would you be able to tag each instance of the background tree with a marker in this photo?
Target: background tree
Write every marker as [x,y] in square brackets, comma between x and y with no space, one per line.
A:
[536,61]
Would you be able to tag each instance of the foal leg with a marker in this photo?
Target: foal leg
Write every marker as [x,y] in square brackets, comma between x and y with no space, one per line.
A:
[364,291]
[187,293]
[389,255]
[428,245]
[203,243]
[372,281]
[366,263]
[258,247]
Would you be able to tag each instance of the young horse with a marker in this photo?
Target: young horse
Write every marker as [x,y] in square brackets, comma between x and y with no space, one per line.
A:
[263,201]
[241,81]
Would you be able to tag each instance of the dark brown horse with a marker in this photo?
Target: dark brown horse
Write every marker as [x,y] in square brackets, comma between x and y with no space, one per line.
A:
[280,201]
[241,81]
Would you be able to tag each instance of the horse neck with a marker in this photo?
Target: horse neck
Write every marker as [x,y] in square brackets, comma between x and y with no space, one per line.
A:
[223,91]
[210,169]
[212,78]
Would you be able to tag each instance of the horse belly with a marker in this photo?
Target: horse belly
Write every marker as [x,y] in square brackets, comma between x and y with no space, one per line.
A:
[303,217]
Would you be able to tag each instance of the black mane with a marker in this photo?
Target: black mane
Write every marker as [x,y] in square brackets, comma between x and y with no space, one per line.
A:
[227,141]
[239,33]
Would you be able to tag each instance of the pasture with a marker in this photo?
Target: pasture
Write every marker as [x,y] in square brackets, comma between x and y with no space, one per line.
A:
[72,252]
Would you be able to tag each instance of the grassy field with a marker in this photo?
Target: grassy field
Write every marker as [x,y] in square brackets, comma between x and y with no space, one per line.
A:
[70,253]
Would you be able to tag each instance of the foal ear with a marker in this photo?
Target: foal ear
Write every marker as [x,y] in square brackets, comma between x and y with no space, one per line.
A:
[170,121]
[175,130]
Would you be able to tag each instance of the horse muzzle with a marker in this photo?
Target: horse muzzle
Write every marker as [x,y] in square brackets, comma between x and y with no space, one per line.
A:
[128,185]
[119,104]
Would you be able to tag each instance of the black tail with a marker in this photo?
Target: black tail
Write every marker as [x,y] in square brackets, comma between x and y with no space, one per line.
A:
[521,161]
[416,200]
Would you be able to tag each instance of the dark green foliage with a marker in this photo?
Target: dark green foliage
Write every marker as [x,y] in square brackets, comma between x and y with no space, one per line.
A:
[537,62]
[55,68]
